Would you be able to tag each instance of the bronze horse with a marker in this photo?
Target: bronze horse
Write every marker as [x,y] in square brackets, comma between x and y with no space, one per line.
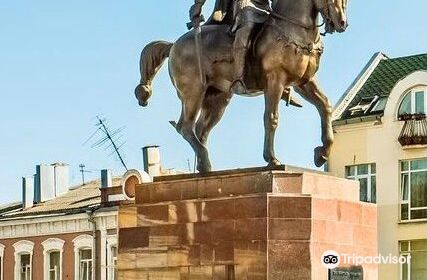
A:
[286,52]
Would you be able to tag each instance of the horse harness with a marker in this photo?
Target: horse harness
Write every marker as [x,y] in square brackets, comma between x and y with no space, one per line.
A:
[310,48]
[287,39]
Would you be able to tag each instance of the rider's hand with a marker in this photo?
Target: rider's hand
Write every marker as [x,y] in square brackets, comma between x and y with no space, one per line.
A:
[195,11]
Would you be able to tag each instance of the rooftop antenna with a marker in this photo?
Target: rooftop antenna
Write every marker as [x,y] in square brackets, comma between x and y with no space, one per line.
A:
[109,140]
[83,171]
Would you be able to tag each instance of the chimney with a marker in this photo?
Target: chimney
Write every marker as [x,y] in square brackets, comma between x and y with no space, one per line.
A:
[151,156]
[106,178]
[50,181]
[44,185]
[61,173]
[27,192]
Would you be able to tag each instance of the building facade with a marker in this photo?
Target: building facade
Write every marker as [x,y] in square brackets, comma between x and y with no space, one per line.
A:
[58,232]
[70,237]
[380,130]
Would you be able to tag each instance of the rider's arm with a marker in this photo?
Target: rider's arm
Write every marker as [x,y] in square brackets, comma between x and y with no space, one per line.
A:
[196,9]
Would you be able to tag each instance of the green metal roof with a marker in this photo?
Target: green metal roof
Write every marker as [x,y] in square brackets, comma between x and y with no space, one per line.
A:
[382,80]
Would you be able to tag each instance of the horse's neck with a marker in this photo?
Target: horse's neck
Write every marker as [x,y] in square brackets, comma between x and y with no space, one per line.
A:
[300,11]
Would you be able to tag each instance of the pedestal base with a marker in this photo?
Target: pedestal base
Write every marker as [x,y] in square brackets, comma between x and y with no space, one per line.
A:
[244,224]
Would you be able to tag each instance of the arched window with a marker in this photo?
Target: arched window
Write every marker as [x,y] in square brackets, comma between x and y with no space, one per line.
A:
[414,102]
[83,257]
[23,259]
[52,252]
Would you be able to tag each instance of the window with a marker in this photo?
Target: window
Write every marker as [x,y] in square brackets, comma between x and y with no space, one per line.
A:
[54,265]
[413,189]
[414,102]
[366,175]
[112,263]
[85,264]
[415,252]
[25,267]
[23,260]
[52,252]
[1,260]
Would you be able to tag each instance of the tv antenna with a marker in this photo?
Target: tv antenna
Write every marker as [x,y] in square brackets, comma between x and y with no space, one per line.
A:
[83,171]
[109,139]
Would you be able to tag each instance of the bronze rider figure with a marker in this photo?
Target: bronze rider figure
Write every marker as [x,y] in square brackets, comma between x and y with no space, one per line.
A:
[246,15]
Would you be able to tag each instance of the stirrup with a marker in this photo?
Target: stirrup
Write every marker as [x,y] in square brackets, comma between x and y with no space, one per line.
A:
[242,89]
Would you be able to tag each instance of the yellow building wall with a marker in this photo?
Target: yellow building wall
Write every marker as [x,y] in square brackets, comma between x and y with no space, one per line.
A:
[377,142]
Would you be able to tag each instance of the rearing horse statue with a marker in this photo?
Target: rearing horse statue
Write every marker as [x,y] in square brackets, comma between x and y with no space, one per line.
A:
[286,52]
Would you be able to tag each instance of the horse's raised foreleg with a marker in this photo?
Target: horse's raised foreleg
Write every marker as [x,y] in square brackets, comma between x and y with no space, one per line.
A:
[313,94]
[213,109]
[272,97]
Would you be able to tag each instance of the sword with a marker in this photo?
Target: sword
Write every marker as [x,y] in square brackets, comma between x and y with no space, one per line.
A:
[198,41]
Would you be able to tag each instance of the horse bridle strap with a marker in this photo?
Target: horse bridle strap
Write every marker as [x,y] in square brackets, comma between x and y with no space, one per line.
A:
[293,21]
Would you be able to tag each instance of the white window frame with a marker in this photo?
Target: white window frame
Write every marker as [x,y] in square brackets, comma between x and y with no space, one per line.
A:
[368,176]
[52,245]
[21,248]
[412,92]
[407,253]
[82,242]
[408,202]
[1,261]
[111,242]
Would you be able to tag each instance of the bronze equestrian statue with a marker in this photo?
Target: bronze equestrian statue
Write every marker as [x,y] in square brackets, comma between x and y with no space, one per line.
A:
[285,52]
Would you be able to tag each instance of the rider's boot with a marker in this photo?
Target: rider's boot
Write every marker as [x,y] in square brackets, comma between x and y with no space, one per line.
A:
[238,86]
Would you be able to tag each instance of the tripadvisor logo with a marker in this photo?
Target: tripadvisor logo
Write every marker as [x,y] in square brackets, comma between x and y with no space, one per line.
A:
[330,259]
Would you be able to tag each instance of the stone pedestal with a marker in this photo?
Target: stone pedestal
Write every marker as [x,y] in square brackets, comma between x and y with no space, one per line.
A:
[244,224]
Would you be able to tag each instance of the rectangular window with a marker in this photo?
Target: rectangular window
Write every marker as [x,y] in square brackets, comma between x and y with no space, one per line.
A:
[419,102]
[85,264]
[112,264]
[415,252]
[54,265]
[413,189]
[366,175]
[25,269]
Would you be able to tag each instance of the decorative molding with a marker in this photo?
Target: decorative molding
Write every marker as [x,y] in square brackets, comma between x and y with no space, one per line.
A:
[51,245]
[356,85]
[49,225]
[1,260]
[23,247]
[83,241]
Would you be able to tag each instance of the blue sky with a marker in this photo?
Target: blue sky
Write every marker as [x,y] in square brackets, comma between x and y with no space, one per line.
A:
[64,62]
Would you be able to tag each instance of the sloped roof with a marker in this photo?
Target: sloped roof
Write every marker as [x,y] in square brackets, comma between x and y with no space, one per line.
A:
[76,200]
[380,83]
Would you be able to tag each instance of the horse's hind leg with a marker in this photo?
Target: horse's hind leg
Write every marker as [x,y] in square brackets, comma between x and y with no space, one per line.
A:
[313,94]
[213,109]
[191,106]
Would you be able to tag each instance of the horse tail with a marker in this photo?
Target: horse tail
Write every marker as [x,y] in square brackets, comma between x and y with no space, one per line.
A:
[152,57]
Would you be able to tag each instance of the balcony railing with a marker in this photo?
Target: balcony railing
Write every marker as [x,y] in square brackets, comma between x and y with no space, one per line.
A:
[414,131]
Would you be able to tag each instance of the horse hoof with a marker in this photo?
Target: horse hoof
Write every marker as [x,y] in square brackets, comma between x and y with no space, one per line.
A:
[274,162]
[204,168]
[320,157]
